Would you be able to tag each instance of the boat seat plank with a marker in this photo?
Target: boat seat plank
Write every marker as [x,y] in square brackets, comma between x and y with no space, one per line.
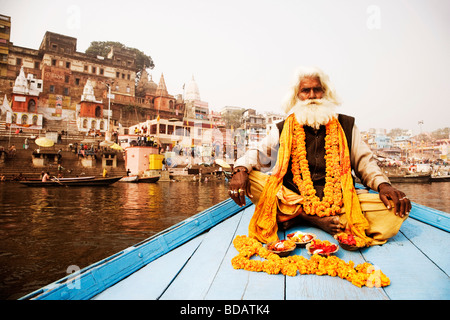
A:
[231,284]
[195,278]
[151,281]
[413,275]
[432,241]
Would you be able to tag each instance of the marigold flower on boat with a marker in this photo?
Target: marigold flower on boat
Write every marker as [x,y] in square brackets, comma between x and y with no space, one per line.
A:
[362,274]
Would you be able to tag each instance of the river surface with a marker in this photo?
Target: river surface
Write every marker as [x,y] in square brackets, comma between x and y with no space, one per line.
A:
[45,231]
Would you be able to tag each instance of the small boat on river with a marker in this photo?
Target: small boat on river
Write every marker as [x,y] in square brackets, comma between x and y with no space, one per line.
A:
[133,178]
[411,178]
[192,261]
[148,179]
[71,182]
[435,178]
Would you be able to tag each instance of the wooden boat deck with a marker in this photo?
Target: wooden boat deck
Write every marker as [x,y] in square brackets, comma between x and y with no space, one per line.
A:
[192,261]
[417,261]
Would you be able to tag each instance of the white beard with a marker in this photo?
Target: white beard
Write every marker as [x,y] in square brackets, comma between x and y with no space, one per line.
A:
[314,112]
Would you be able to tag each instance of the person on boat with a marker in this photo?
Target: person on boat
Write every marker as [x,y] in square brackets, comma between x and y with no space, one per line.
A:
[46,177]
[316,150]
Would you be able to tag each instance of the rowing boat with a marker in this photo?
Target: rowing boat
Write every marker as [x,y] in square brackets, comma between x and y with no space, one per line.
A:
[192,261]
[133,178]
[74,178]
[148,179]
[72,182]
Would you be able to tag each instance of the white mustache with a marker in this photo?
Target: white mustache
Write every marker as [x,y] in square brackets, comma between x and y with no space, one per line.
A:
[314,112]
[313,101]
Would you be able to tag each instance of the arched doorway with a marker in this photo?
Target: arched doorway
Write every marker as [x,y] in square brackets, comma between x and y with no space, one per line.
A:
[32,106]
[24,119]
[98,111]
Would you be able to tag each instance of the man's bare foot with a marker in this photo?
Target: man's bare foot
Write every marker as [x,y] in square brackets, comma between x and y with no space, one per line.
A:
[328,224]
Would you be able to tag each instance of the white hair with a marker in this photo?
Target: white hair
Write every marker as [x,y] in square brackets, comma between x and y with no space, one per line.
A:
[306,72]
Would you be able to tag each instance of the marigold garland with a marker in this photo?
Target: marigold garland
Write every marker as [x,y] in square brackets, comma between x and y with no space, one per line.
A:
[331,202]
[362,274]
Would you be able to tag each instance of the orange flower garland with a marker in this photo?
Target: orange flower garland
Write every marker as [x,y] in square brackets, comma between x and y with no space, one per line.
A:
[362,274]
[332,199]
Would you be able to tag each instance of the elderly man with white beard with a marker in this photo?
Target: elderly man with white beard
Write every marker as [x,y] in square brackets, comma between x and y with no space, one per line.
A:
[312,182]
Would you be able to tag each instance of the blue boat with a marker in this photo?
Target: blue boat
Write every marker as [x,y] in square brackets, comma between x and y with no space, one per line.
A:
[192,261]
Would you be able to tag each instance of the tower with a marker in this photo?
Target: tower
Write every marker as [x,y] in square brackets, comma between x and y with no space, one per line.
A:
[24,104]
[90,115]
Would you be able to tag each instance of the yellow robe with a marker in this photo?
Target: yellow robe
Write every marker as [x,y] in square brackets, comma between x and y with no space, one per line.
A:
[365,215]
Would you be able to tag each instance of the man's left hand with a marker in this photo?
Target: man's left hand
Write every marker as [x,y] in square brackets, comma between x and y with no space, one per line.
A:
[401,202]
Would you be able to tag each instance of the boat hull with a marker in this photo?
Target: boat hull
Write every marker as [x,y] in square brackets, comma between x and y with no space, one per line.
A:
[129,179]
[72,183]
[440,179]
[410,178]
[148,179]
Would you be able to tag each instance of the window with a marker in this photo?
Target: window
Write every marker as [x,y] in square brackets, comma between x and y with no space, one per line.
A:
[98,112]
[128,76]
[85,68]
[53,62]
[14,118]
[68,65]
[52,89]
[66,91]
[77,81]
[66,79]
[94,70]
[123,76]
[169,129]
[32,106]
[101,71]
[54,47]
[37,65]
[85,123]
[117,74]
[18,61]
[162,128]
[179,131]
[35,120]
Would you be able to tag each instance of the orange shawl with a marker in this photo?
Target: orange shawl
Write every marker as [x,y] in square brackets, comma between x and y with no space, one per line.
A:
[263,225]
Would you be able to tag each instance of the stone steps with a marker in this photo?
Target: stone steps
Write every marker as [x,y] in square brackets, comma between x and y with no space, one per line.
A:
[22,163]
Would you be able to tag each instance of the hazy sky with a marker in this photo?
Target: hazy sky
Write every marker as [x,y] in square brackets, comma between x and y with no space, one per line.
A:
[389,60]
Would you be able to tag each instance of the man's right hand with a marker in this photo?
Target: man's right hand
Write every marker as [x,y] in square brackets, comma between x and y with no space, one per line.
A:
[240,186]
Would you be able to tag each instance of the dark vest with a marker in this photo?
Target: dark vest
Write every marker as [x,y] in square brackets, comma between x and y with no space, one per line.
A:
[315,153]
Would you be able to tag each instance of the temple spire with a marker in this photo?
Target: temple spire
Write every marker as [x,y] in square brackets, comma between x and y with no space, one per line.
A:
[162,89]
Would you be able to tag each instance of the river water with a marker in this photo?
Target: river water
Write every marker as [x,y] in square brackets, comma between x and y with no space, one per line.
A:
[44,231]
